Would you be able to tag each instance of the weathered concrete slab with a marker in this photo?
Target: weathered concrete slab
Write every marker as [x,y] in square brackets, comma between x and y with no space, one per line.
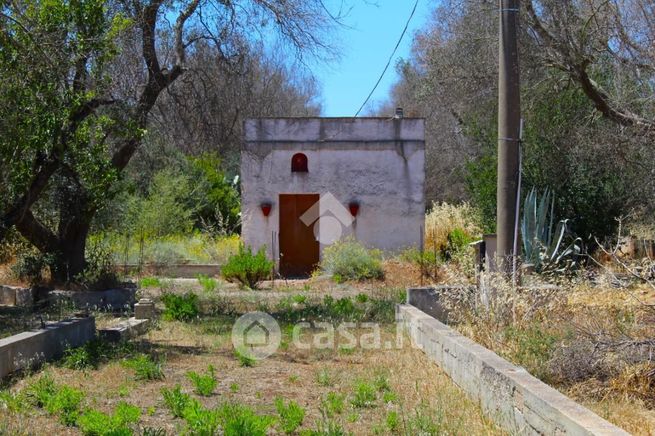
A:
[30,348]
[509,395]
[124,330]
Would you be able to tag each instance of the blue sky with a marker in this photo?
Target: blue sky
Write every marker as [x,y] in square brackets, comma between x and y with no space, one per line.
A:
[373,31]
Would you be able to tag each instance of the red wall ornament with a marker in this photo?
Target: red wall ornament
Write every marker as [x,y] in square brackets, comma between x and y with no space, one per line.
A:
[266,208]
[354,208]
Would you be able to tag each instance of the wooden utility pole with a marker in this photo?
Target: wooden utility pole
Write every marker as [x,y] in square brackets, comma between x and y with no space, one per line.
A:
[509,130]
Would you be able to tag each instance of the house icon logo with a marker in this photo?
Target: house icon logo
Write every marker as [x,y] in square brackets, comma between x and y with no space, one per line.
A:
[329,217]
[256,335]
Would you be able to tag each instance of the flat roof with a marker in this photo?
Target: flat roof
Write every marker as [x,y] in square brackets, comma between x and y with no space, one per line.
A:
[334,129]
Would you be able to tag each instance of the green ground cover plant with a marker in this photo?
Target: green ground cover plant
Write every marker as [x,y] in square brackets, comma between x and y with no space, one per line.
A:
[204,384]
[180,307]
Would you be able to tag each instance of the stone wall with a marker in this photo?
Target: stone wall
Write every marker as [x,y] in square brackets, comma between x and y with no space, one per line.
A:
[508,394]
[31,348]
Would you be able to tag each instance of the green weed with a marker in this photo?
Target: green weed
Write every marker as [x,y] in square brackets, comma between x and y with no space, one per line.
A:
[145,368]
[291,415]
[364,395]
[180,307]
[149,282]
[204,384]
[175,400]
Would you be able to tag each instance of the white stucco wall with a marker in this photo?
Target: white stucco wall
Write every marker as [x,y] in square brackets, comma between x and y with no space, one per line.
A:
[379,163]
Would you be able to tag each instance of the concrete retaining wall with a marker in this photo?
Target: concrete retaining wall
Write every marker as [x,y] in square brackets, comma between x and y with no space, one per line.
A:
[30,348]
[112,299]
[508,394]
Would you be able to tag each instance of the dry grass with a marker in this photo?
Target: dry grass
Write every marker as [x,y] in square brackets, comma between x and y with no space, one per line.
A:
[592,340]
[291,374]
[444,218]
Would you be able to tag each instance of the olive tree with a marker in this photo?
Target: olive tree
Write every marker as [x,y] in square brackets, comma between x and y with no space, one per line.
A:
[80,80]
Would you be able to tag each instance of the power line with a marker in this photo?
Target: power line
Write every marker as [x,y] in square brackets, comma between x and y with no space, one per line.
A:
[400,40]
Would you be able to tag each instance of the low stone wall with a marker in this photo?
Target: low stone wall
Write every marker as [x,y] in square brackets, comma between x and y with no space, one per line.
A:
[508,394]
[16,296]
[31,348]
[112,299]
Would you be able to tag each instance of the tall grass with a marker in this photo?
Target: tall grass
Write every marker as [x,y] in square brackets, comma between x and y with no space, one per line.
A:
[196,248]
[444,219]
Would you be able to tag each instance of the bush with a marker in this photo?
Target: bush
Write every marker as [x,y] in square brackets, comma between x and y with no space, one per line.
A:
[248,269]
[99,273]
[180,307]
[291,415]
[30,267]
[204,384]
[87,356]
[350,260]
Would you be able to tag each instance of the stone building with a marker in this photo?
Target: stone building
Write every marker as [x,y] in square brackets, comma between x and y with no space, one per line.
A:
[307,182]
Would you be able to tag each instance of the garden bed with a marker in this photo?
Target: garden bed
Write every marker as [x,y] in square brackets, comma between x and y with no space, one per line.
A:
[341,387]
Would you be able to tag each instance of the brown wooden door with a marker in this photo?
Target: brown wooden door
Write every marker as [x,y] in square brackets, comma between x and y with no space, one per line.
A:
[299,249]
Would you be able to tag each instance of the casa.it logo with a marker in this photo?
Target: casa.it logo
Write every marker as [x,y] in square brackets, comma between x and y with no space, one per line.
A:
[256,335]
[329,218]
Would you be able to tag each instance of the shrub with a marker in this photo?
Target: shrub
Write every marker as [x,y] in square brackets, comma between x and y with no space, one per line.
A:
[87,356]
[180,307]
[350,260]
[99,273]
[145,368]
[246,268]
[175,400]
[30,267]
[291,415]
[204,384]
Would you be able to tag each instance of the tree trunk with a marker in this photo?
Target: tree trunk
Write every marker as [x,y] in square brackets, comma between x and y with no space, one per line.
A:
[69,257]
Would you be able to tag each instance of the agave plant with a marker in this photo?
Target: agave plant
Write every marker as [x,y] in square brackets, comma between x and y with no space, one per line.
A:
[543,246]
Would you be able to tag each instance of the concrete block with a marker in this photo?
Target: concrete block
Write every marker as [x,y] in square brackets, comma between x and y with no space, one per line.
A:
[508,395]
[7,296]
[427,299]
[34,347]
[124,330]
[144,309]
